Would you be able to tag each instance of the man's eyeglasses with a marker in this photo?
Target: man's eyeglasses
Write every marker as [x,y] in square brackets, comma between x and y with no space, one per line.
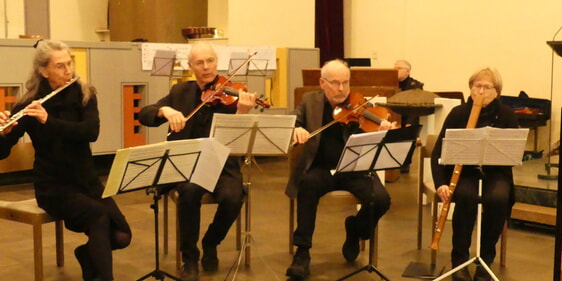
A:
[337,84]
[484,87]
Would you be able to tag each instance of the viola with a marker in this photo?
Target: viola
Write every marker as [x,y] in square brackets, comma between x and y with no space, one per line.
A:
[357,109]
[226,92]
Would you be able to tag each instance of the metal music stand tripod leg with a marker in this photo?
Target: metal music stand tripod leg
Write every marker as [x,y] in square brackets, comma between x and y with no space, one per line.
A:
[477,259]
[157,273]
[246,244]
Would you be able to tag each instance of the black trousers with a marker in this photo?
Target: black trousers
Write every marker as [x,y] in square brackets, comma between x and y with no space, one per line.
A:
[496,205]
[228,193]
[100,219]
[317,182]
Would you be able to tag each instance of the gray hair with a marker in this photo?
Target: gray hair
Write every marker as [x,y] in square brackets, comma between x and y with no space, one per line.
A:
[200,45]
[42,57]
[487,72]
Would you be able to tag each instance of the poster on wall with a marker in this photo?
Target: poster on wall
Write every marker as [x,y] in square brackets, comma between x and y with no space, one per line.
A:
[263,60]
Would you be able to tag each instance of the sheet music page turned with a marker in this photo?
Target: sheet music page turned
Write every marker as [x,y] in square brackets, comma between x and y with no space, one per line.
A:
[484,146]
[272,133]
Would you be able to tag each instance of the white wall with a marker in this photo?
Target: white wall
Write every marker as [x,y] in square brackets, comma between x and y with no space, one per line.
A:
[11,19]
[287,23]
[75,20]
[447,40]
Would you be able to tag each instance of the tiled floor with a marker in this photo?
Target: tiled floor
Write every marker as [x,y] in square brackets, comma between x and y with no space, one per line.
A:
[529,254]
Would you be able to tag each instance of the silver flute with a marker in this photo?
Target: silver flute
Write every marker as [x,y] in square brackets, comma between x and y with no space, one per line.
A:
[21,114]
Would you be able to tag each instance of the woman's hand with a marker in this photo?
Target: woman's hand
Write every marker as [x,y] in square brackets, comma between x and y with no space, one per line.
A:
[4,117]
[36,109]
[444,193]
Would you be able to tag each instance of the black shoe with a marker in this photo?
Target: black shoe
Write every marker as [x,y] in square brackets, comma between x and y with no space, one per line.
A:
[462,275]
[300,267]
[350,248]
[481,274]
[190,271]
[210,261]
[81,254]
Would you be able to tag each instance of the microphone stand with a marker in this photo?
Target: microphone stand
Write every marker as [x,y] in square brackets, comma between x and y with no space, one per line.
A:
[549,165]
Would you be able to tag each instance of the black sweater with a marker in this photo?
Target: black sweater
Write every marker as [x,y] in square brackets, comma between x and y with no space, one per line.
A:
[494,115]
[63,159]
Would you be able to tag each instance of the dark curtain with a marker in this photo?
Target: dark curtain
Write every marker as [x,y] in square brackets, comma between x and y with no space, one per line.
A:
[329,29]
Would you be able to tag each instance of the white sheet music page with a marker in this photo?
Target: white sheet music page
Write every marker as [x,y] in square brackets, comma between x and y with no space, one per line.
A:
[484,146]
[359,151]
[272,133]
[199,161]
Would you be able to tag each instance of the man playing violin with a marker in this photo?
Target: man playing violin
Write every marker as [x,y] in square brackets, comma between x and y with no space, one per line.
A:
[311,177]
[182,100]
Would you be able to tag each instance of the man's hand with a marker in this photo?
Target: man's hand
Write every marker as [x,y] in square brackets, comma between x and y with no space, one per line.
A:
[300,135]
[386,125]
[245,102]
[174,117]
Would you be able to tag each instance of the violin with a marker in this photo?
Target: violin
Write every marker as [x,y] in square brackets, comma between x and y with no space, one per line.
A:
[226,92]
[358,109]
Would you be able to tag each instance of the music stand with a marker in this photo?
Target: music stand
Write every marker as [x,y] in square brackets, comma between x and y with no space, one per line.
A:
[249,135]
[482,146]
[145,167]
[372,152]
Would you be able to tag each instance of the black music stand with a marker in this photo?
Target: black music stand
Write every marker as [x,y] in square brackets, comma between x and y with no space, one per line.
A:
[482,146]
[372,152]
[145,167]
[252,135]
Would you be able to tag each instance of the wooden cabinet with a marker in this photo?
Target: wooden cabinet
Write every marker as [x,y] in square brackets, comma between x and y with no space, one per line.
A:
[153,20]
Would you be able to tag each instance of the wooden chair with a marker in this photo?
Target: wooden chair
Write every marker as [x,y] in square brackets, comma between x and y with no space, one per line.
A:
[206,199]
[338,194]
[427,187]
[27,211]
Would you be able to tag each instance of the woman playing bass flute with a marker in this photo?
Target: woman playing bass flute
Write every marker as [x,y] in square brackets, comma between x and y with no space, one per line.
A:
[497,181]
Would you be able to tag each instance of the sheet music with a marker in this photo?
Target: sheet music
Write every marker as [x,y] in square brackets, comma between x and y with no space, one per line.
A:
[199,161]
[484,146]
[361,152]
[387,149]
[272,137]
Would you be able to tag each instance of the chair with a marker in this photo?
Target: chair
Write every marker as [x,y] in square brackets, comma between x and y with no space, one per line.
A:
[206,199]
[338,194]
[27,211]
[427,187]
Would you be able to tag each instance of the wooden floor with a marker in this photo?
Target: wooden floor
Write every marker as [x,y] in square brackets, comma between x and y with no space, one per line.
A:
[529,254]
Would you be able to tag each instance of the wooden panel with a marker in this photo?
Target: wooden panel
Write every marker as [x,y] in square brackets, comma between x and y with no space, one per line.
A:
[21,158]
[153,20]
[359,77]
[534,213]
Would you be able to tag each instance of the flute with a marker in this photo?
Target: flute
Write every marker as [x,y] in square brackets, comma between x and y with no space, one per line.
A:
[472,120]
[21,114]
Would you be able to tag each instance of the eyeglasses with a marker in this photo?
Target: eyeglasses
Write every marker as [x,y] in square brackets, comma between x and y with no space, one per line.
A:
[484,87]
[337,84]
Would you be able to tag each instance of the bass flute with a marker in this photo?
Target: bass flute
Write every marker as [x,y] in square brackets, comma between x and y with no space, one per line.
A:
[21,114]
[472,120]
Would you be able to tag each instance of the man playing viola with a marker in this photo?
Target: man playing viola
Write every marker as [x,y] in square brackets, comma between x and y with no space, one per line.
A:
[311,178]
[182,100]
